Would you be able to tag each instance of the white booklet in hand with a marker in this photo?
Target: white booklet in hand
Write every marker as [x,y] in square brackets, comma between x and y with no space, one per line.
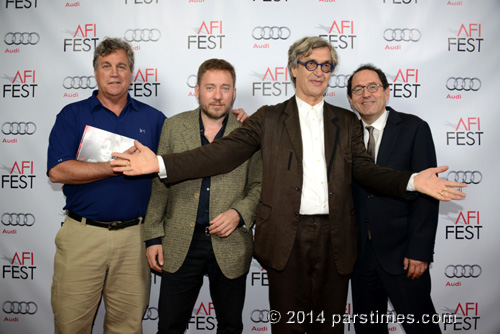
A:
[97,145]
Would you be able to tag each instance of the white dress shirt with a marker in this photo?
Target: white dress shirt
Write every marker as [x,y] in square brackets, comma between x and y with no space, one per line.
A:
[314,198]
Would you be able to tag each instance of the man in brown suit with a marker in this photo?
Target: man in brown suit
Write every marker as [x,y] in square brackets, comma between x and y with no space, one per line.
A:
[305,230]
[203,226]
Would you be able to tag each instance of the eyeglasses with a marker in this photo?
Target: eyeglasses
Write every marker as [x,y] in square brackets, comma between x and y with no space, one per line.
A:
[372,88]
[311,65]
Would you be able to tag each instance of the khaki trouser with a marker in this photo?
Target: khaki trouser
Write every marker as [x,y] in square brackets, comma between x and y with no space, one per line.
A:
[91,262]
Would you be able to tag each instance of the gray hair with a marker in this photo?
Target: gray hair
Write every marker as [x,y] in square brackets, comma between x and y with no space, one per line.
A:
[304,47]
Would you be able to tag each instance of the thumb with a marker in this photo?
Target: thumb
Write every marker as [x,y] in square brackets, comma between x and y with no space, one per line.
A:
[138,145]
[441,169]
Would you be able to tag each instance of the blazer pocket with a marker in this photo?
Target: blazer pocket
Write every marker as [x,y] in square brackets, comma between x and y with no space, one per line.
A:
[263,211]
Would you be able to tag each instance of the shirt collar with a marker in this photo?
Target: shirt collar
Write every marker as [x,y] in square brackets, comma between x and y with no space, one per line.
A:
[304,106]
[95,104]
[220,134]
[380,123]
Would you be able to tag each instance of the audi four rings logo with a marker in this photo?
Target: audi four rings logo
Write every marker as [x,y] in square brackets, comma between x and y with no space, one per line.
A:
[10,307]
[84,82]
[21,38]
[142,35]
[151,314]
[466,177]
[274,32]
[18,219]
[18,128]
[405,34]
[338,81]
[191,82]
[260,316]
[463,271]
[466,84]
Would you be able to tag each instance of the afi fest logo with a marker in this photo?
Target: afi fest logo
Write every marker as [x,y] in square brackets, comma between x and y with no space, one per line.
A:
[274,82]
[20,176]
[340,34]
[467,132]
[208,36]
[23,85]
[22,266]
[405,83]
[466,227]
[468,39]
[84,39]
[145,83]
[20,4]
[465,317]
[203,317]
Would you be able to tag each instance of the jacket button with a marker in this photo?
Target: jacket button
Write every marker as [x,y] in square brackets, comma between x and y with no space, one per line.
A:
[196,195]
[297,188]
[191,224]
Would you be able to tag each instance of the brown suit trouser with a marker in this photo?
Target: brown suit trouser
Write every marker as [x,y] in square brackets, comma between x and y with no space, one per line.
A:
[309,293]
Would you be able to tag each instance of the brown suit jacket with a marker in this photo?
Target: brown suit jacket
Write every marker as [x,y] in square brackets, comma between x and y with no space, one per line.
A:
[276,131]
[172,208]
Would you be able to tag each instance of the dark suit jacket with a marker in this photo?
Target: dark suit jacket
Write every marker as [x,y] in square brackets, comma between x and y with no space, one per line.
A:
[276,131]
[400,228]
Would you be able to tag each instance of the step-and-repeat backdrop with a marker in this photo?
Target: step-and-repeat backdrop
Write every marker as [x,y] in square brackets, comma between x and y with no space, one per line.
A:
[441,58]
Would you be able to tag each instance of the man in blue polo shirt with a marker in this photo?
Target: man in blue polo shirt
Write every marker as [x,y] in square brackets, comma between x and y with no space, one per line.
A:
[99,247]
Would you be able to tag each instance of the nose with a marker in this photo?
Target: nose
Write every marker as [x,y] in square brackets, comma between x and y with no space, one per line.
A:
[218,94]
[114,71]
[366,93]
[318,72]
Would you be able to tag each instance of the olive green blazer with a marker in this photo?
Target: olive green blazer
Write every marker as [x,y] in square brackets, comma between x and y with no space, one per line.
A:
[172,208]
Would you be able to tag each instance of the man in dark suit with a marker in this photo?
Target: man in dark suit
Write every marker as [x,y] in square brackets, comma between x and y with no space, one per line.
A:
[305,229]
[395,236]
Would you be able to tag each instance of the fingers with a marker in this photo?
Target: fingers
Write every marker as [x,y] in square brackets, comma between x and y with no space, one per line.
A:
[224,224]
[154,255]
[415,268]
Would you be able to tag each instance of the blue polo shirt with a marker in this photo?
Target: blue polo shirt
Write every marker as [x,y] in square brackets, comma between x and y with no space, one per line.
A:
[114,198]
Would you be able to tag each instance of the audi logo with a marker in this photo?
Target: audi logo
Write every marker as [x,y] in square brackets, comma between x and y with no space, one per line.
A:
[21,38]
[463,271]
[338,81]
[260,316]
[151,314]
[405,34]
[466,177]
[274,32]
[80,82]
[10,307]
[142,35]
[466,84]
[18,219]
[18,128]
[191,81]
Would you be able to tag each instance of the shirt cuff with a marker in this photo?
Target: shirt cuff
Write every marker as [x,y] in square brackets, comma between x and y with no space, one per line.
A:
[163,170]
[242,221]
[152,242]
[411,185]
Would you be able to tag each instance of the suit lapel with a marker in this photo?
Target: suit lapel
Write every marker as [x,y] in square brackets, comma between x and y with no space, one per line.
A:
[191,130]
[389,139]
[332,133]
[292,125]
